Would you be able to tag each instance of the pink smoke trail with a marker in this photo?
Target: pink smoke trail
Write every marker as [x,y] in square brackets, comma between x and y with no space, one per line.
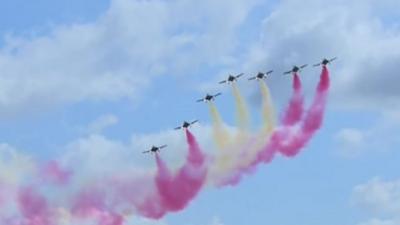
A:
[295,109]
[109,218]
[281,140]
[53,173]
[2,194]
[292,115]
[34,207]
[176,191]
[90,204]
[312,121]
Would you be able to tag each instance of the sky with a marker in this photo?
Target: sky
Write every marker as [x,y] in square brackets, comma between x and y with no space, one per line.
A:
[94,83]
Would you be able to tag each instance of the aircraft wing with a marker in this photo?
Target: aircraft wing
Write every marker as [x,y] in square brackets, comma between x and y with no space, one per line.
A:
[177,128]
[239,75]
[218,94]
[303,66]
[146,151]
[222,82]
[162,146]
[334,58]
[287,72]
[318,64]
[252,78]
[195,121]
[200,100]
[269,72]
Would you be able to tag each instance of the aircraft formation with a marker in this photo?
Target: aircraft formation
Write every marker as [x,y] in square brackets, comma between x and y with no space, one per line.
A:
[115,195]
[233,78]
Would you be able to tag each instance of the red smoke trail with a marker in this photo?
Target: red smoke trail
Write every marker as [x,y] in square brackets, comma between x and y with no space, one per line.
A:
[295,109]
[175,191]
[312,121]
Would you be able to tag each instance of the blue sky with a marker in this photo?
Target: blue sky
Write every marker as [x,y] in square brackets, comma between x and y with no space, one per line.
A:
[134,68]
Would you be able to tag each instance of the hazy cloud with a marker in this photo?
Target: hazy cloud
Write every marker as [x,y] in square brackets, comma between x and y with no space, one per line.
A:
[363,34]
[118,54]
[381,198]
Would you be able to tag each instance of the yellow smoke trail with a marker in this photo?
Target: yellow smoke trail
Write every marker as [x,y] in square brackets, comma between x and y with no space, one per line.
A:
[221,135]
[245,147]
[223,159]
[226,161]
[268,112]
[268,117]
[242,113]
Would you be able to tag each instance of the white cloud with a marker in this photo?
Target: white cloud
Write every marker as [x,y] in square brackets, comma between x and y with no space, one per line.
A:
[364,35]
[380,136]
[143,221]
[15,167]
[350,141]
[101,123]
[118,54]
[216,221]
[96,155]
[381,198]
[100,163]
[381,222]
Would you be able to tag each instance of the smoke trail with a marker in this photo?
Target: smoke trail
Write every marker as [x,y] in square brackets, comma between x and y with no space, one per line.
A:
[268,112]
[91,204]
[252,147]
[281,139]
[248,165]
[105,201]
[295,109]
[53,173]
[176,191]
[165,191]
[242,113]
[229,165]
[312,121]
[225,161]
[33,207]
[221,135]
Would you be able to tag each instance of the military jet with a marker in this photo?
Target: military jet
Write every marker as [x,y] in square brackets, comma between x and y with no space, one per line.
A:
[186,125]
[325,62]
[231,79]
[208,98]
[260,75]
[295,69]
[155,149]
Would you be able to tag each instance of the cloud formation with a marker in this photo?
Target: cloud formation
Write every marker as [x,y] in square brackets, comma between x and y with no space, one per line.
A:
[117,55]
[364,35]
[381,198]
[381,135]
